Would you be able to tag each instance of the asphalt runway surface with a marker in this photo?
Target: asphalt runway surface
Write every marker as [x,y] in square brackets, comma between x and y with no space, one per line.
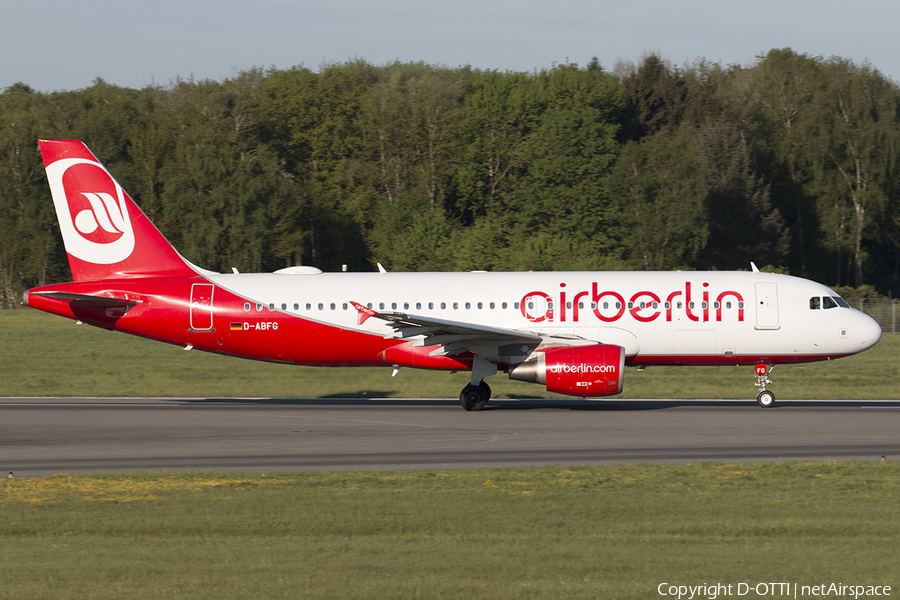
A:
[43,436]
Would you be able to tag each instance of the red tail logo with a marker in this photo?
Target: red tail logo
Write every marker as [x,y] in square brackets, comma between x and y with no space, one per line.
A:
[99,216]
[93,216]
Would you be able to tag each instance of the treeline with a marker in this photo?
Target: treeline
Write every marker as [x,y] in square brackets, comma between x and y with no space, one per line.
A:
[792,163]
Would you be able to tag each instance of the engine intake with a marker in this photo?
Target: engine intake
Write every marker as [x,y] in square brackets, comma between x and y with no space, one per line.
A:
[575,370]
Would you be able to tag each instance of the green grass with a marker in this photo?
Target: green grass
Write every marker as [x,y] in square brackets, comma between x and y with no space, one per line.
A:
[577,532]
[44,355]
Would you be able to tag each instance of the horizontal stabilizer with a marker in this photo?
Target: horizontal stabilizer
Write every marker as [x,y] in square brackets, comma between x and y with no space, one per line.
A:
[100,311]
[88,300]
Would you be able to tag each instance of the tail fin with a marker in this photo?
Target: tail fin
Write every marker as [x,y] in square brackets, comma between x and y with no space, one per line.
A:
[106,235]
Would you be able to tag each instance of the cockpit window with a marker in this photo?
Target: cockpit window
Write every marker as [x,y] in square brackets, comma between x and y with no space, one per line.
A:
[815,303]
[841,302]
[828,302]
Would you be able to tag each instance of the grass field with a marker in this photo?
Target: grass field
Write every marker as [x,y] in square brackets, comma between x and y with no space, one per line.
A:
[555,532]
[579,532]
[44,355]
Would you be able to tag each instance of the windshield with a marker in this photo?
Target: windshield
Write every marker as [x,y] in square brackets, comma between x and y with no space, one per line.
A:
[841,302]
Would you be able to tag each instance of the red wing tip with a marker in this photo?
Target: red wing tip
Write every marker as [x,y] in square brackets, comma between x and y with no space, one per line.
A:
[364,312]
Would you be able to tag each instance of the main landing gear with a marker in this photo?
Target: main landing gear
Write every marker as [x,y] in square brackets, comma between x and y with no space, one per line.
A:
[765,398]
[475,395]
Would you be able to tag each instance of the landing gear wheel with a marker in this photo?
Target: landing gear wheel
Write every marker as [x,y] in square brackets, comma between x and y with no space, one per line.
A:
[766,399]
[474,397]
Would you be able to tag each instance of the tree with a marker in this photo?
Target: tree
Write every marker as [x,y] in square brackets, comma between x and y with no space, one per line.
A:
[661,185]
[655,96]
[858,146]
[783,87]
[743,226]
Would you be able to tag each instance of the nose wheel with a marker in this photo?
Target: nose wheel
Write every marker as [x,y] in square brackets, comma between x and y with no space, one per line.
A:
[764,398]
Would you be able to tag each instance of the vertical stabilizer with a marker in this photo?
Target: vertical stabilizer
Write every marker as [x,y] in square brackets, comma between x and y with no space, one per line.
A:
[106,235]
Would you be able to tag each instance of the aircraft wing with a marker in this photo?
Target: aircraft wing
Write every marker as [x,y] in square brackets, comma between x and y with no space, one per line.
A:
[496,344]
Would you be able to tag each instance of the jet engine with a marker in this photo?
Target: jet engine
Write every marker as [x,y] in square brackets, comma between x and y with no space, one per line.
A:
[575,370]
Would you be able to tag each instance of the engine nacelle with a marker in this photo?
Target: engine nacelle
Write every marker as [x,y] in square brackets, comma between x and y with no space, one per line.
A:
[576,370]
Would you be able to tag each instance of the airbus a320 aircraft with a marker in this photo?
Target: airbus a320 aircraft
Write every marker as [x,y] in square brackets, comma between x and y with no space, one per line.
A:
[573,332]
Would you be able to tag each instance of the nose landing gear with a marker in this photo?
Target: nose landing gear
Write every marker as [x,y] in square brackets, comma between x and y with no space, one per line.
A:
[765,398]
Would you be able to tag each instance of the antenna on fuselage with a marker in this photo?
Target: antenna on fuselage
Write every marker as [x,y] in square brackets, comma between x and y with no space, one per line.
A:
[754,267]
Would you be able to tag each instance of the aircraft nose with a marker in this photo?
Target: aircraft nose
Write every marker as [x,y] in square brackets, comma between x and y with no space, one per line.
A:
[869,331]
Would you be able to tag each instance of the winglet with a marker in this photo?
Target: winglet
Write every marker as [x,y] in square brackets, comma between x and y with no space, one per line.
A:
[364,312]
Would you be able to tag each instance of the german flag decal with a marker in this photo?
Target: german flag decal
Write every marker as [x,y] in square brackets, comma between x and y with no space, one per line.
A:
[237,326]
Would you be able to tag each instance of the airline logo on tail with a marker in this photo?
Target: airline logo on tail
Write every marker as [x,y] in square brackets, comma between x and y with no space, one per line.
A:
[93,216]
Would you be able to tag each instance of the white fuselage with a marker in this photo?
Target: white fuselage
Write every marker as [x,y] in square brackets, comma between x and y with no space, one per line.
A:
[658,317]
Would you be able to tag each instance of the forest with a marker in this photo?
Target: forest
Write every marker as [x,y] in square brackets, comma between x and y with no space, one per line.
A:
[791,162]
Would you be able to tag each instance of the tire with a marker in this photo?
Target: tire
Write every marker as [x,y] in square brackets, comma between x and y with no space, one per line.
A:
[766,399]
[474,397]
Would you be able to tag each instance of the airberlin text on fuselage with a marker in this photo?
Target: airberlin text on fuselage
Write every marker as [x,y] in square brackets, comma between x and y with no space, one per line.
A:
[644,306]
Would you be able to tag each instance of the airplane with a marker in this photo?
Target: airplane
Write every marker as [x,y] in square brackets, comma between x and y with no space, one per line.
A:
[572,332]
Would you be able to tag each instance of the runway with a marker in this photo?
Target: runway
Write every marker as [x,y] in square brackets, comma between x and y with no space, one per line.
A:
[43,436]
